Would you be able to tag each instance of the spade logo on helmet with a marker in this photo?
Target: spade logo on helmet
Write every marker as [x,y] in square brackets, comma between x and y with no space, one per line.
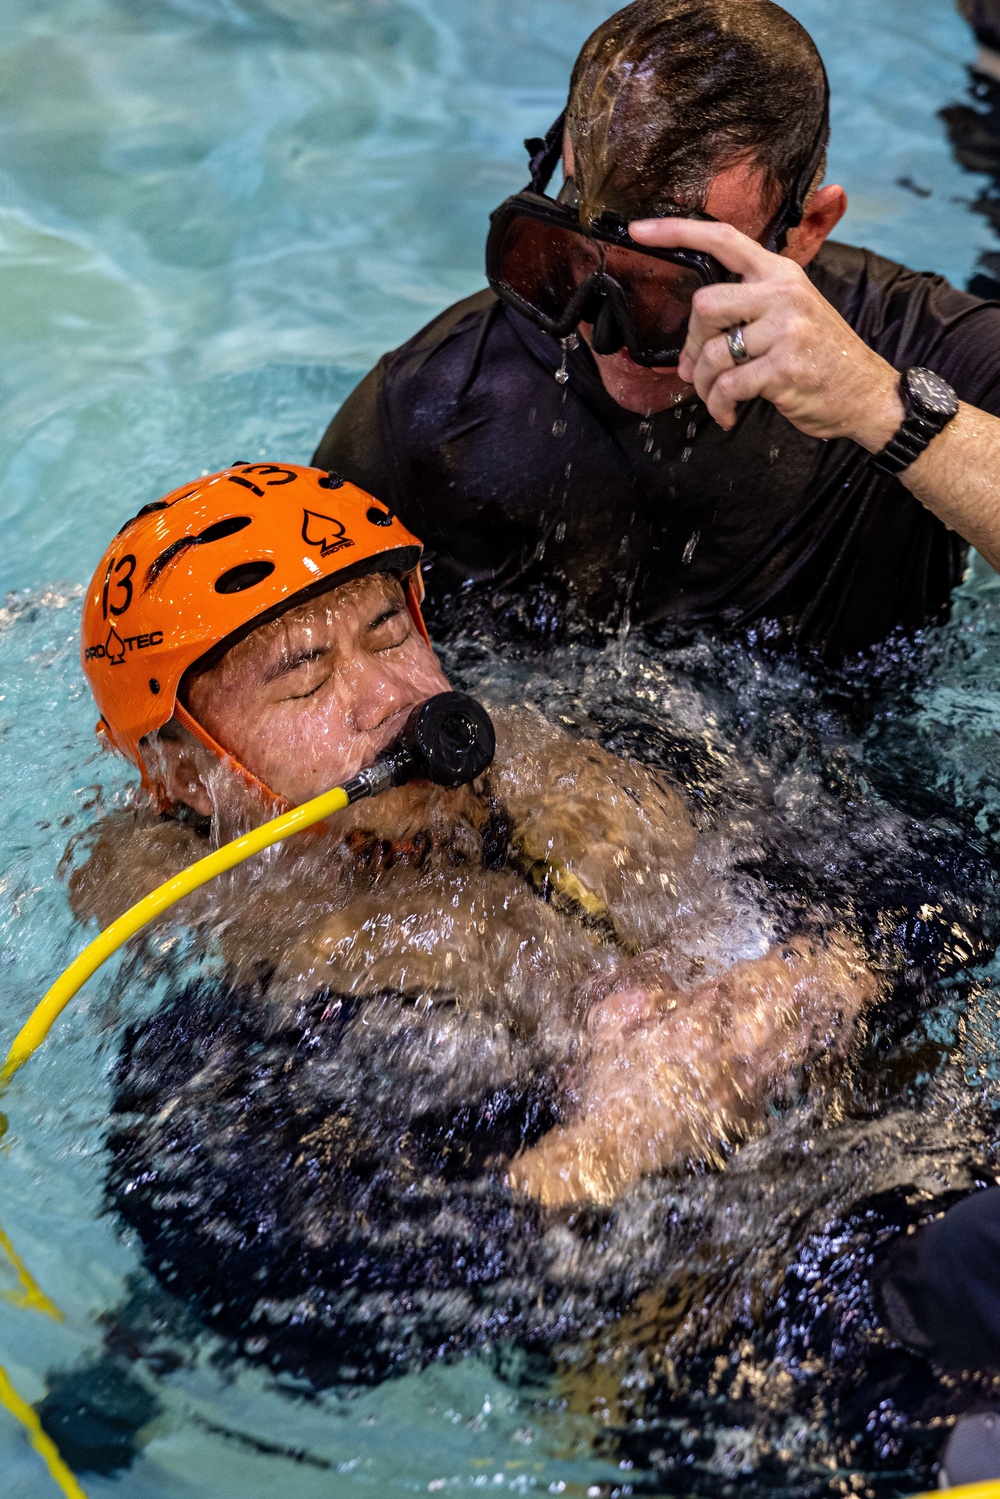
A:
[114,648]
[324,532]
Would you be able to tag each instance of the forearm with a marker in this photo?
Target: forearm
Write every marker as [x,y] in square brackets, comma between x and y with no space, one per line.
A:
[692,1074]
[957,476]
[677,1092]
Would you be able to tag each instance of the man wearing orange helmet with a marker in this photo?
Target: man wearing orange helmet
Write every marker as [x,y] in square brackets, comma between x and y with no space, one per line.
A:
[255,638]
[215,573]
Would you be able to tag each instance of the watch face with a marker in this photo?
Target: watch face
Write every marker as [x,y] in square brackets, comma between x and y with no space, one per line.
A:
[929,396]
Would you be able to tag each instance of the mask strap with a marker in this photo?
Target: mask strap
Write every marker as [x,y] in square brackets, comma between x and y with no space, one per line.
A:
[790,214]
[545,153]
[269,797]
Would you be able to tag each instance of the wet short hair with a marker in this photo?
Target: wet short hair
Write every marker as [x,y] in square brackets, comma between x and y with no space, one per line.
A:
[667,93]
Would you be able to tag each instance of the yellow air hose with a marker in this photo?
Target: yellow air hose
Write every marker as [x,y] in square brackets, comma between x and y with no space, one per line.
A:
[43,1444]
[31,1035]
[30,1294]
[448,739]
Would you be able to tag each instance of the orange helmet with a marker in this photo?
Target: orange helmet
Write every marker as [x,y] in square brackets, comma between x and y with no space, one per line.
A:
[207,564]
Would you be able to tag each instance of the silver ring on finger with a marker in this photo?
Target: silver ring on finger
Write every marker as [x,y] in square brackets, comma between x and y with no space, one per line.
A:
[737,348]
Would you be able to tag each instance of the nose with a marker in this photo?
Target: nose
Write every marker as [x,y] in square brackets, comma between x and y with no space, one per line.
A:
[380,697]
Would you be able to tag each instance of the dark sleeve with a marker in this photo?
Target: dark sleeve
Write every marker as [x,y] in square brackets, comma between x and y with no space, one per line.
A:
[941,1287]
[357,444]
[950,332]
[968,356]
[916,318]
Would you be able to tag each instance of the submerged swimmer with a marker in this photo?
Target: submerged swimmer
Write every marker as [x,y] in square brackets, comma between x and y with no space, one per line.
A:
[515,983]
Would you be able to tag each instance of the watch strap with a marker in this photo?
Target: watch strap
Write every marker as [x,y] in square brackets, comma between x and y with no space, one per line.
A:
[906,447]
[914,434]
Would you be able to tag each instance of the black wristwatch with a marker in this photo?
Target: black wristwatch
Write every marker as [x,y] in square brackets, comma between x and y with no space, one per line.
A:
[930,405]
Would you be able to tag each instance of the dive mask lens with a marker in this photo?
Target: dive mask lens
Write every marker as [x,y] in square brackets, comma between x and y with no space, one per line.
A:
[542,268]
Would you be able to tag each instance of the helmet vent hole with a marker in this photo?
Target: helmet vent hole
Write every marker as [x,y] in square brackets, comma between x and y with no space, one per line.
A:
[379,517]
[246,575]
[223,528]
[330,481]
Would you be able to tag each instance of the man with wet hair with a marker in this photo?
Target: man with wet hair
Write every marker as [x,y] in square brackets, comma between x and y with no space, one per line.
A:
[678,399]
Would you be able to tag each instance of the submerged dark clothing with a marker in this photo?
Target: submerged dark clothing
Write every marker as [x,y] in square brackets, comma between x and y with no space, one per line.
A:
[507,474]
[942,1287]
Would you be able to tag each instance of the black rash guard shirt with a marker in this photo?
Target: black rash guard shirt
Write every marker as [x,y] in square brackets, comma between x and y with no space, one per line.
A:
[507,474]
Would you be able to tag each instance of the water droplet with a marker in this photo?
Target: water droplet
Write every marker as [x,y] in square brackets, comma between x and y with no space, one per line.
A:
[692,430]
[558,428]
[686,454]
[693,540]
[569,343]
[773,455]
[561,531]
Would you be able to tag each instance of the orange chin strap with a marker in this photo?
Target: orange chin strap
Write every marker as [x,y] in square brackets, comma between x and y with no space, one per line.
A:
[270,798]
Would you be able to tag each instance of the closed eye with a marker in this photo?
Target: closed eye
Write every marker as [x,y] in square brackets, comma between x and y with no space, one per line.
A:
[295,697]
[393,625]
[285,665]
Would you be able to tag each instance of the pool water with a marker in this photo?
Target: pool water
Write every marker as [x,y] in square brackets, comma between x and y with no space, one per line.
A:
[215,215]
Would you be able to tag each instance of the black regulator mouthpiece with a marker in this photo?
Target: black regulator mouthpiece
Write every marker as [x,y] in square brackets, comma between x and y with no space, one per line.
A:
[449,740]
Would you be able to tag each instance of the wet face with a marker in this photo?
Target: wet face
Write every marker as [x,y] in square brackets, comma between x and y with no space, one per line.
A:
[308,700]
[737,196]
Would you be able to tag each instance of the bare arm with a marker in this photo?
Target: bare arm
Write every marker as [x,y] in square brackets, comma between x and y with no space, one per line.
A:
[958,474]
[674,1078]
[812,366]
